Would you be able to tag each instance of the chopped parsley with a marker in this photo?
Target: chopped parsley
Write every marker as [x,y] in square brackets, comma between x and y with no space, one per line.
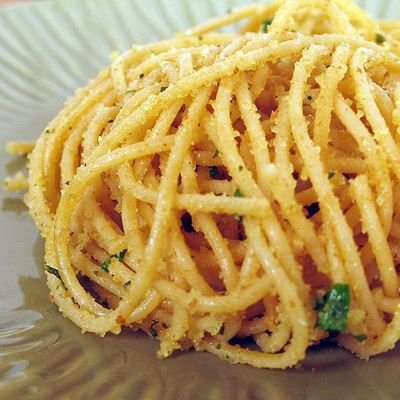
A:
[153,331]
[163,88]
[265,25]
[240,168]
[105,265]
[130,91]
[52,271]
[333,309]
[360,338]
[218,346]
[216,154]
[127,284]
[213,172]
[238,193]
[331,175]
[379,38]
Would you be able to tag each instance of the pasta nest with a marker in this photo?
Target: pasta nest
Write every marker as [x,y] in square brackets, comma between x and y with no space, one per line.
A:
[211,188]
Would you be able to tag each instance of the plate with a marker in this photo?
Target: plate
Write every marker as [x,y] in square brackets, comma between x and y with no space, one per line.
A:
[47,49]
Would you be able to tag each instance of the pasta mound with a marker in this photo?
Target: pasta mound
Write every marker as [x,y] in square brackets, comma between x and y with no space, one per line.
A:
[235,193]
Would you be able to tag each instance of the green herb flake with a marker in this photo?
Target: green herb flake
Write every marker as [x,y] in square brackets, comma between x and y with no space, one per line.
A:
[127,284]
[163,88]
[218,346]
[153,331]
[105,265]
[200,37]
[130,91]
[238,193]
[333,309]
[121,255]
[47,131]
[52,271]
[331,175]
[379,38]
[216,154]
[265,25]
[240,168]
[213,172]
[360,338]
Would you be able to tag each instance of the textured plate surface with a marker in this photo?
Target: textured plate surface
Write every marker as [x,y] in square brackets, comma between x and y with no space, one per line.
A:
[47,49]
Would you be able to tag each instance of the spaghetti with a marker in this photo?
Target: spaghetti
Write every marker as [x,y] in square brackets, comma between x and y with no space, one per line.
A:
[235,193]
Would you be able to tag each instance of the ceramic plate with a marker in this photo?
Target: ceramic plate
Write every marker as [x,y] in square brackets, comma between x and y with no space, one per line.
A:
[47,49]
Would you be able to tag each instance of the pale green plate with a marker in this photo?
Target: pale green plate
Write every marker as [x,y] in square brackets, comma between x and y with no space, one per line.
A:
[47,49]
